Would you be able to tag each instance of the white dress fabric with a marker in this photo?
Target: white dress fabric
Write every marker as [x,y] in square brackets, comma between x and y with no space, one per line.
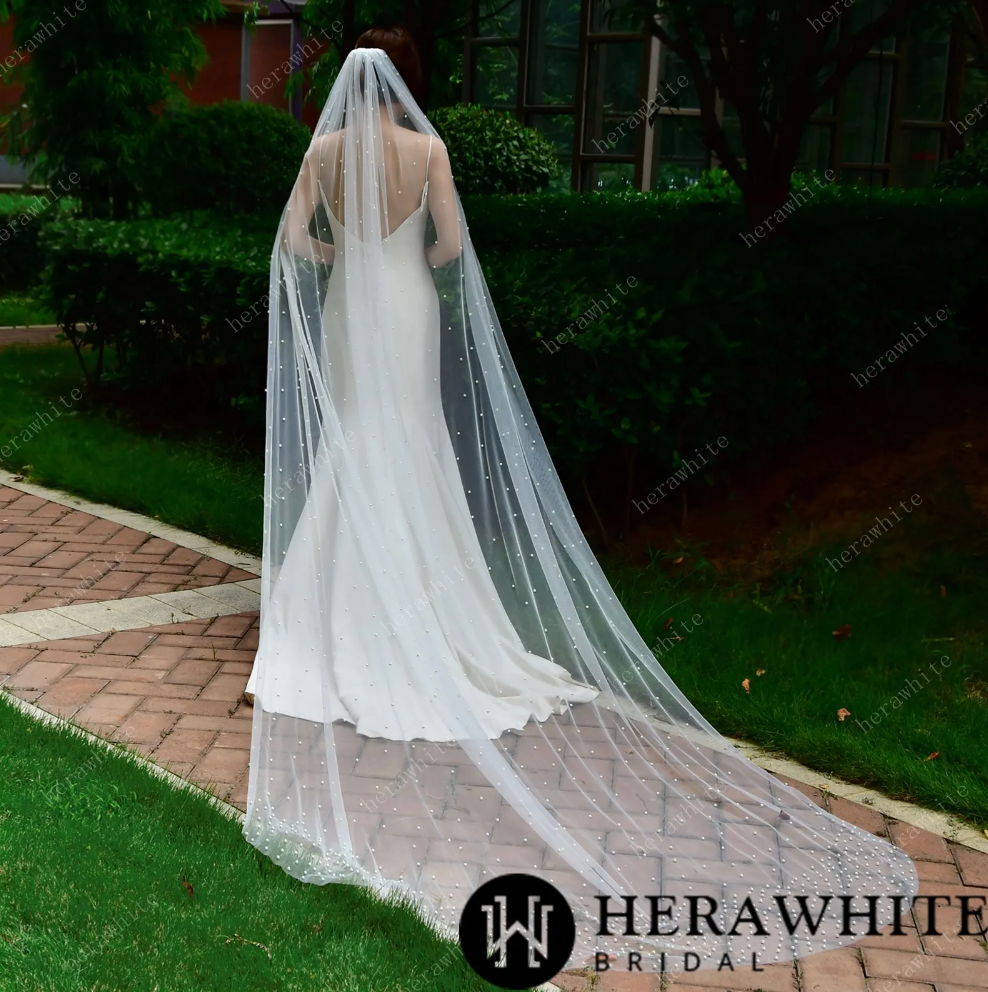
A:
[446,688]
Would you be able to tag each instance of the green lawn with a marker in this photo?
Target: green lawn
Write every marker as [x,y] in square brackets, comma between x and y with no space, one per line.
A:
[198,486]
[23,309]
[93,852]
[902,624]
[920,655]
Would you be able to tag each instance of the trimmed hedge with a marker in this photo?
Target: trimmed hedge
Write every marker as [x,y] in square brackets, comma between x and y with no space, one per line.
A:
[230,157]
[23,217]
[492,152]
[712,338]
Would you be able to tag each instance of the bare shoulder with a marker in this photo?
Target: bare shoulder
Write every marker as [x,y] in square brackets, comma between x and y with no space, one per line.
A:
[326,143]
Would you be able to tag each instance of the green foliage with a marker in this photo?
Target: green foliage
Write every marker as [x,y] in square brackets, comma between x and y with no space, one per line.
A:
[94,80]
[666,316]
[159,294]
[22,218]
[491,152]
[231,157]
[968,169]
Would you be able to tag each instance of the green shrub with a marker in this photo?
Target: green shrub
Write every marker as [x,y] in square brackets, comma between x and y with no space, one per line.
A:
[231,157]
[167,296]
[713,338]
[968,169]
[491,152]
[23,217]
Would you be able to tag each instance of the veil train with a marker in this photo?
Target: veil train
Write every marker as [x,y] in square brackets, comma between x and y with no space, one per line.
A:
[447,689]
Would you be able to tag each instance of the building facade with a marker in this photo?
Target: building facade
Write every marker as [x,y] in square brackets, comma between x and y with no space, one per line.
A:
[575,69]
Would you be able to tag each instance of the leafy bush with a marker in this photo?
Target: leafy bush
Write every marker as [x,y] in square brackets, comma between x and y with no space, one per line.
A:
[491,152]
[23,217]
[968,169]
[92,88]
[168,296]
[674,331]
[231,157]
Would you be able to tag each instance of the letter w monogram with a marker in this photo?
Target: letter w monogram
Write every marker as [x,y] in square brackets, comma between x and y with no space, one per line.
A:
[500,946]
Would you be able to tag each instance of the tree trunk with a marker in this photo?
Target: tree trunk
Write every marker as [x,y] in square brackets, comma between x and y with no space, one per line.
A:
[762,198]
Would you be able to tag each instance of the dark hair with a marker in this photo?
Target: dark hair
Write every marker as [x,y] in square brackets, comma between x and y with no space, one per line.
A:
[400,47]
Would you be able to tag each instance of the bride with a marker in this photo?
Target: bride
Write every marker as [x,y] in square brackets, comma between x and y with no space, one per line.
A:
[446,688]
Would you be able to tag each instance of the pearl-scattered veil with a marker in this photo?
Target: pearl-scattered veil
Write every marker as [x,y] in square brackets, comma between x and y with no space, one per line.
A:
[442,697]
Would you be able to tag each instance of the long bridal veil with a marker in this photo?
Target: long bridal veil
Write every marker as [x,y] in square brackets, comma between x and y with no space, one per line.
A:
[447,689]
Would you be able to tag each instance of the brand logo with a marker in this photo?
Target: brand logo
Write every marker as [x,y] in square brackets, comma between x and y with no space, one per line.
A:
[517,931]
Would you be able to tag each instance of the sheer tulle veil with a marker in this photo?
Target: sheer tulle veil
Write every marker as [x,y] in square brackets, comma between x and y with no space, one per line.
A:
[623,787]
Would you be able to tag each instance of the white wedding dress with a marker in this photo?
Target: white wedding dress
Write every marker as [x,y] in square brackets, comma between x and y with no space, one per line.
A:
[446,686]
[425,519]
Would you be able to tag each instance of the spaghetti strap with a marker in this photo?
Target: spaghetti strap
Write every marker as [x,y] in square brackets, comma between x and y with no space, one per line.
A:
[425,185]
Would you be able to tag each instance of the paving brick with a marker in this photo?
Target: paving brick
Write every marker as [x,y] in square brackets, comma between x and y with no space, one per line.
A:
[151,588]
[210,567]
[973,866]
[774,978]
[117,581]
[858,814]
[840,969]
[221,764]
[82,645]
[232,626]
[62,559]
[37,675]
[224,687]
[183,556]
[616,981]
[69,657]
[15,595]
[193,672]
[131,642]
[233,740]
[892,985]
[938,871]
[142,727]
[184,745]
[920,845]
[925,968]
[13,659]
[250,640]
[101,671]
[71,692]
[191,707]
[108,709]
[152,690]
[219,723]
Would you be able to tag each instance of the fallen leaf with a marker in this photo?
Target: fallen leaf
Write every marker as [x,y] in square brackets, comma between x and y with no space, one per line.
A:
[842,714]
[986,833]
[943,592]
[746,684]
[668,623]
[933,756]
[760,671]
[841,632]
[188,888]
[679,560]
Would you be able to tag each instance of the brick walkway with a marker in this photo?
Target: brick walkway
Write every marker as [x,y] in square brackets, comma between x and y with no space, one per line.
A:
[173,692]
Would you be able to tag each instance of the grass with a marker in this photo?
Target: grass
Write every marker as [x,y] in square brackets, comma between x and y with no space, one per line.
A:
[913,672]
[196,485]
[22,310]
[891,596]
[93,852]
